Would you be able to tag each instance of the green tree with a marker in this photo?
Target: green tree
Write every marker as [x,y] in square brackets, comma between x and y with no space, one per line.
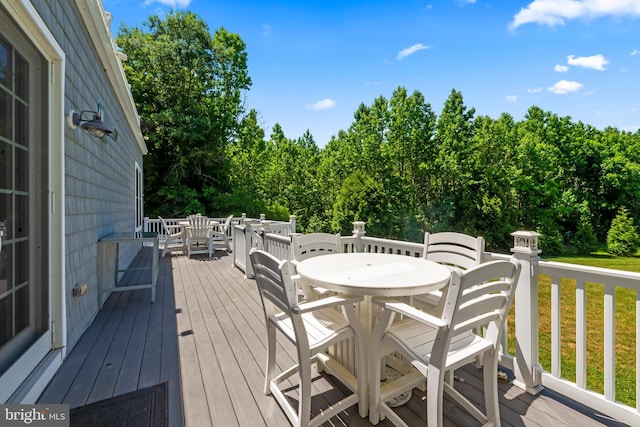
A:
[409,146]
[187,86]
[488,207]
[246,155]
[623,238]
[360,199]
[449,169]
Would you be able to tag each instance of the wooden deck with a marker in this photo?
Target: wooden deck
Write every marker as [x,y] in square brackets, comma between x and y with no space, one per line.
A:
[204,335]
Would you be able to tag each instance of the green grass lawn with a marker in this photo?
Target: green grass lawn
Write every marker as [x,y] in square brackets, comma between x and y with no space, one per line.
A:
[625,326]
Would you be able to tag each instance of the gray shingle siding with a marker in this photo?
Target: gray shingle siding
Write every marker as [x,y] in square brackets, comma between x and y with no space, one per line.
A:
[99,176]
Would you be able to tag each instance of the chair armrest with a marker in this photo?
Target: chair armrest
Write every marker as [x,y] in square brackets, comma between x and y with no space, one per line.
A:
[410,311]
[328,302]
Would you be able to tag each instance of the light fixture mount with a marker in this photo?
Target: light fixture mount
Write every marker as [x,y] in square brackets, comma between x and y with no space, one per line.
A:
[90,121]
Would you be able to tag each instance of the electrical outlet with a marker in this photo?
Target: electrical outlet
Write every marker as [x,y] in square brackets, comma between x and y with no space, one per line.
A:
[80,290]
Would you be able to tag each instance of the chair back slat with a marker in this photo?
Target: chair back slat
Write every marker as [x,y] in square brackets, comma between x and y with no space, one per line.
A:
[199,226]
[482,319]
[454,249]
[485,306]
[314,244]
[451,259]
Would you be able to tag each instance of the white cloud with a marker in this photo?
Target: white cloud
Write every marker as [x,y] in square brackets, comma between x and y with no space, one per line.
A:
[411,50]
[535,90]
[560,68]
[323,104]
[634,52]
[555,12]
[563,87]
[512,98]
[176,4]
[595,62]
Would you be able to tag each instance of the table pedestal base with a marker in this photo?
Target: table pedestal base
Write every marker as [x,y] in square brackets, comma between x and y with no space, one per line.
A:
[390,375]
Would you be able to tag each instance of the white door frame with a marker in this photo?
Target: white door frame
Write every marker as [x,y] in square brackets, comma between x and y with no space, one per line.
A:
[28,19]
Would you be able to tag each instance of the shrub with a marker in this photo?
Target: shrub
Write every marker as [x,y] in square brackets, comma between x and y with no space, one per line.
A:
[622,238]
[585,239]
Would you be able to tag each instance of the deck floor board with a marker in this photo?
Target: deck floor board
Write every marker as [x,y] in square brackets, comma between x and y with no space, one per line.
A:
[204,335]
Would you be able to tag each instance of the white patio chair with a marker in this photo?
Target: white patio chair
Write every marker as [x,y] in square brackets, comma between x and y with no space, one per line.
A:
[219,233]
[312,327]
[436,345]
[305,246]
[199,237]
[173,240]
[456,251]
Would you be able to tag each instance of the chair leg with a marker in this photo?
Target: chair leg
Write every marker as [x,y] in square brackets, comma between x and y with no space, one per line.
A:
[490,377]
[271,358]
[304,398]
[435,396]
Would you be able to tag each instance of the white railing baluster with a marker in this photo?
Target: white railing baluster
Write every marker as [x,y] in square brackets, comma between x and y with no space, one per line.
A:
[609,343]
[556,326]
[581,334]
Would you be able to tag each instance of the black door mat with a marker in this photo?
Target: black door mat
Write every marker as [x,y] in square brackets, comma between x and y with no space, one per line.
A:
[146,407]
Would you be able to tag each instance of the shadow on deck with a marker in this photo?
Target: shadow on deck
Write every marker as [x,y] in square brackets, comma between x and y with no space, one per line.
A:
[204,336]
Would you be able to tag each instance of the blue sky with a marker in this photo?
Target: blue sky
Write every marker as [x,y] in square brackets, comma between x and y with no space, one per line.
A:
[313,63]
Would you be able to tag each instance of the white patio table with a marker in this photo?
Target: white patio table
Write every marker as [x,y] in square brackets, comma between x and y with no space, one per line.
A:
[116,239]
[372,274]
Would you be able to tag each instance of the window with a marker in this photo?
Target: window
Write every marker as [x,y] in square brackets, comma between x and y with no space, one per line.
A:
[24,187]
[139,200]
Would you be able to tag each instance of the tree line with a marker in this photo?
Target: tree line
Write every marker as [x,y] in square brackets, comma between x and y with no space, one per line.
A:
[400,166]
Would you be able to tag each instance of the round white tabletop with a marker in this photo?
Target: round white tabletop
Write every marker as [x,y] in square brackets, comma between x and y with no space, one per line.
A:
[374,274]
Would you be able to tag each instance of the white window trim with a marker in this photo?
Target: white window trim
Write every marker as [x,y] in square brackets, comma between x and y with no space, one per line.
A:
[138,197]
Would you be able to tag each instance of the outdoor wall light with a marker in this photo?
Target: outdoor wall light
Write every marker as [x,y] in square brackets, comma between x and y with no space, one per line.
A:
[90,121]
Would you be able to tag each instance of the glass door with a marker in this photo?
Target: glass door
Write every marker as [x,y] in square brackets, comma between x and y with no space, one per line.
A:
[24,219]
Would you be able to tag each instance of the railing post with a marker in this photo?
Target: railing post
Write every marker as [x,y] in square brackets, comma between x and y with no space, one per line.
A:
[292,221]
[358,233]
[527,369]
[248,270]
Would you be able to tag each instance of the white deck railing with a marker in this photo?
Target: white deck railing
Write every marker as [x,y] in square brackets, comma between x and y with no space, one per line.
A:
[272,236]
[154,225]
[525,364]
[610,280]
